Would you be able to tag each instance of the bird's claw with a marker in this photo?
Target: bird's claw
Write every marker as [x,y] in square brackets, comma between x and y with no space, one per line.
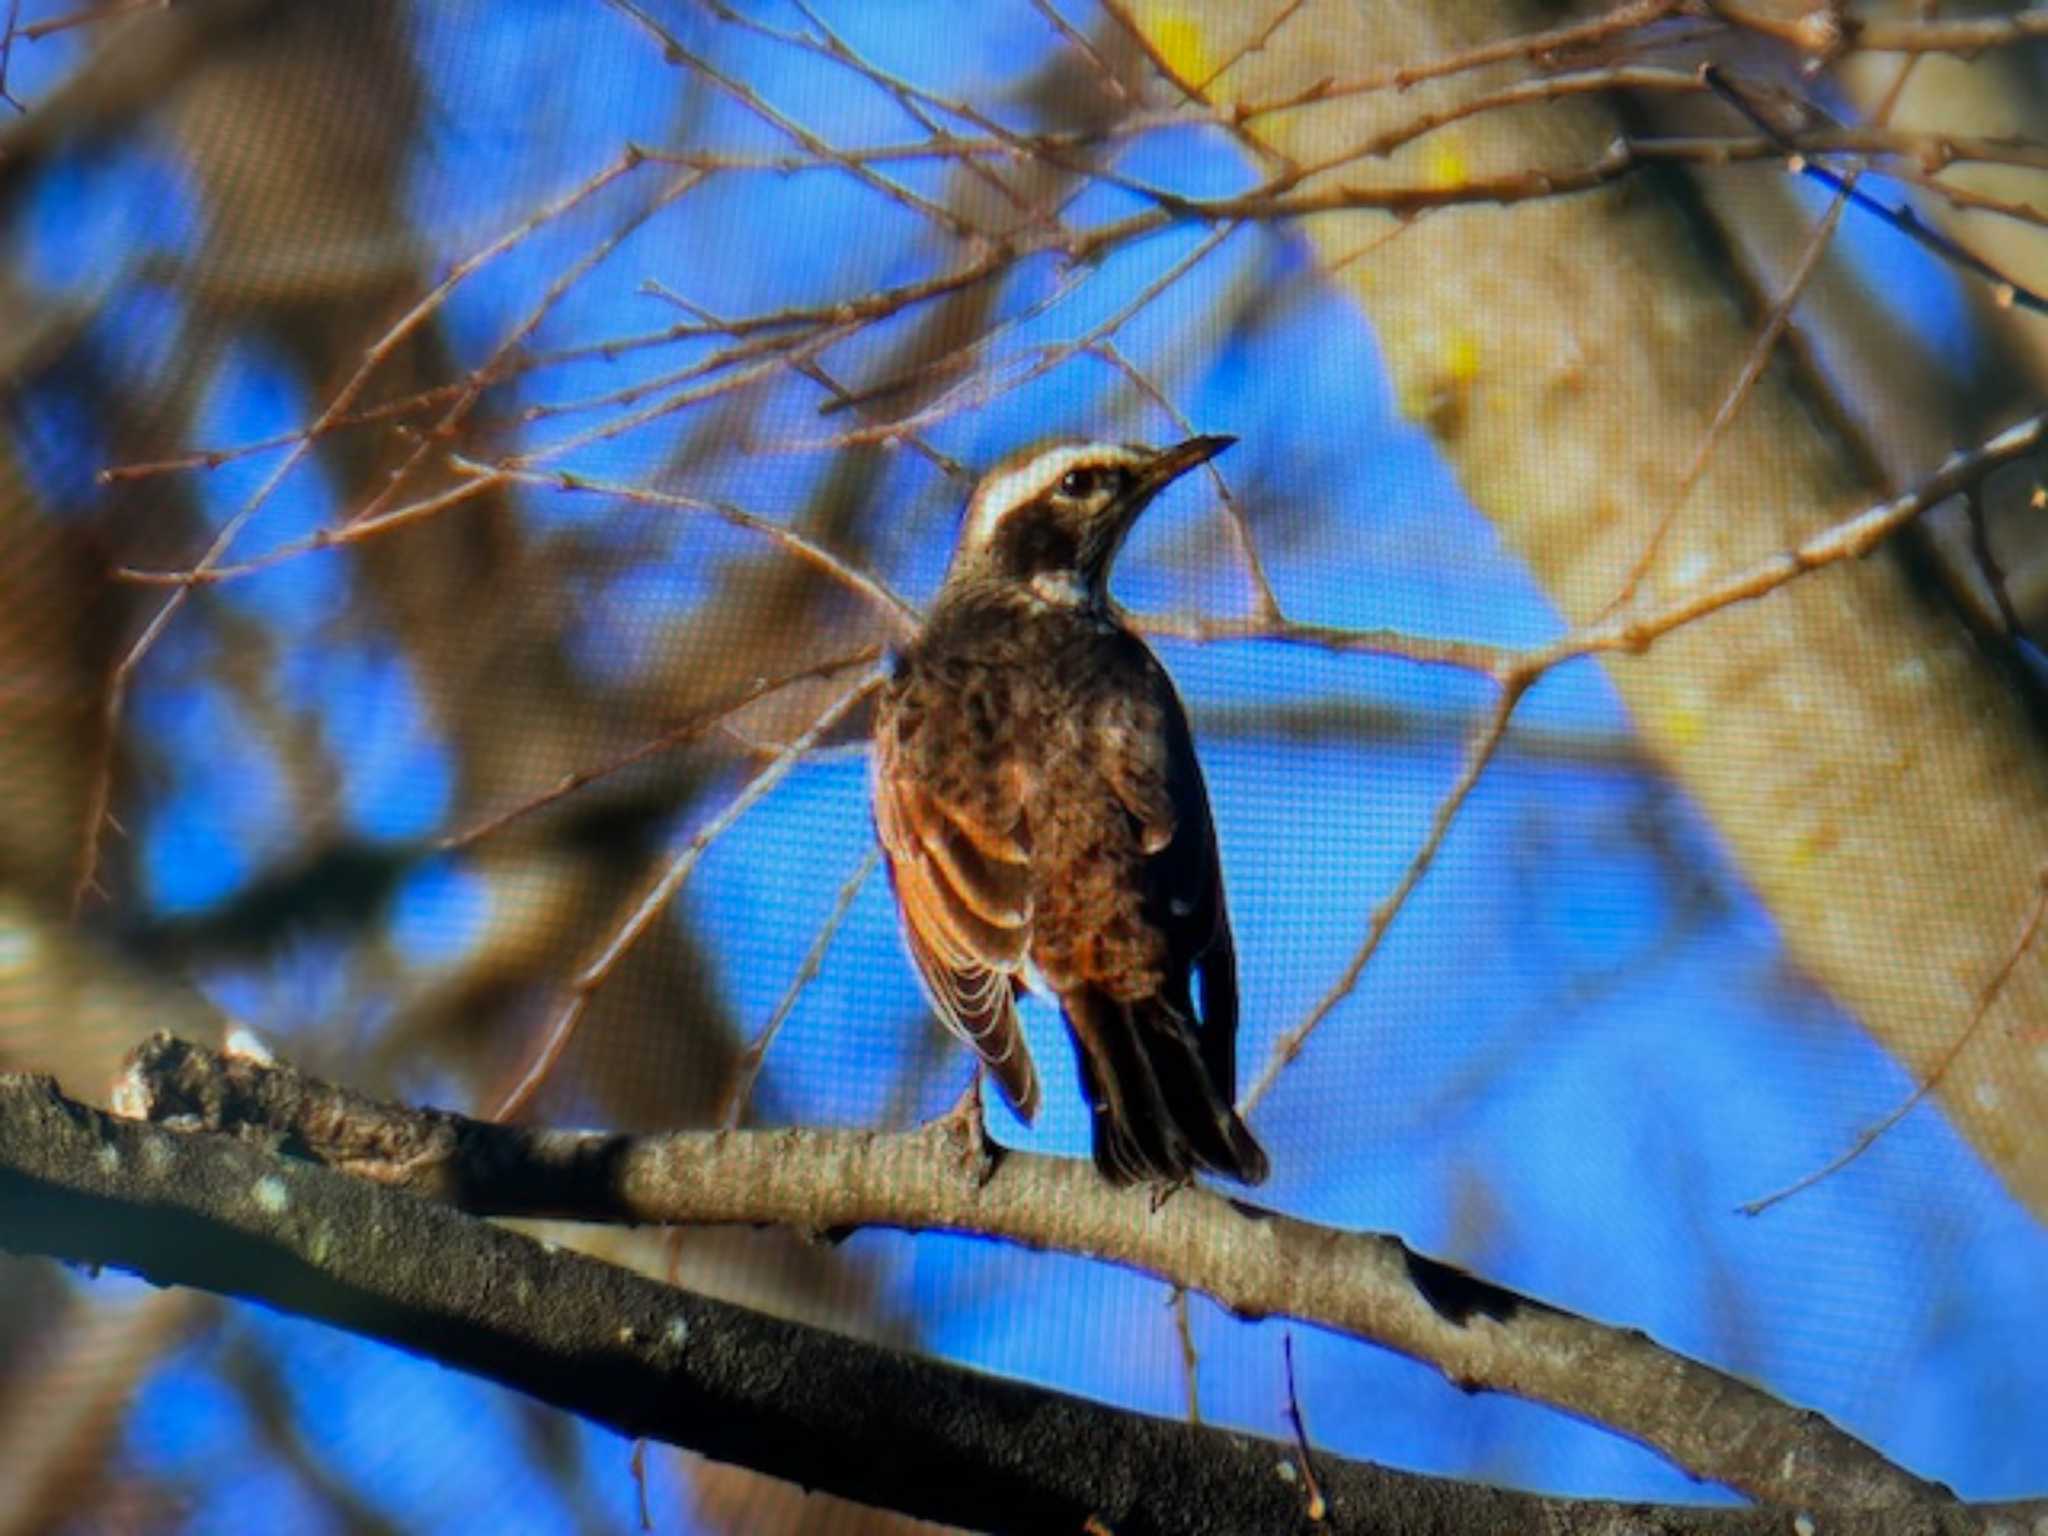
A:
[1166,1189]
[966,1124]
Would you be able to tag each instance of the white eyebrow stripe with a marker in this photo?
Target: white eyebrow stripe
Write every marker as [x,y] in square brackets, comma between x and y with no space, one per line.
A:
[1029,480]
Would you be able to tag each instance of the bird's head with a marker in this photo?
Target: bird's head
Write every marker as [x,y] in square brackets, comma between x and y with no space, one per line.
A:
[1054,516]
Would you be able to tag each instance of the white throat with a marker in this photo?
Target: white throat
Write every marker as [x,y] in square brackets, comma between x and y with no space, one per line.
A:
[1062,589]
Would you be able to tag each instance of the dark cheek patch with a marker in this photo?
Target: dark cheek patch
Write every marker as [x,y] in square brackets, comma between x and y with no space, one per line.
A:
[1032,541]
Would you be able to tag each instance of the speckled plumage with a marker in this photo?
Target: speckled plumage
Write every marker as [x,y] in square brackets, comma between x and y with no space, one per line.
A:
[1038,797]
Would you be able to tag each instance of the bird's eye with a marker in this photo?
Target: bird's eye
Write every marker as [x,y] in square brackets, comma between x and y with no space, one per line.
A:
[1077,482]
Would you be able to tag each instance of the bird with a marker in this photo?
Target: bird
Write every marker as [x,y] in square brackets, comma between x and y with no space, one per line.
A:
[1046,825]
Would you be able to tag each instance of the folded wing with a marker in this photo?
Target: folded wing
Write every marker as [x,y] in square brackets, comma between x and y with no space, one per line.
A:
[964,886]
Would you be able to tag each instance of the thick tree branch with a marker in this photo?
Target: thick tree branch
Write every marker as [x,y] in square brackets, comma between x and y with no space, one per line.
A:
[229,1215]
[1257,1263]
[827,1411]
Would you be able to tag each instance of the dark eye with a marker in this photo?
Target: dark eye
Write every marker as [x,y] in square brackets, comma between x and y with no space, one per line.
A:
[1077,483]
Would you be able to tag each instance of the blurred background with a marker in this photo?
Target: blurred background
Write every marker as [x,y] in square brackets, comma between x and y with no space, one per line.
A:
[448,337]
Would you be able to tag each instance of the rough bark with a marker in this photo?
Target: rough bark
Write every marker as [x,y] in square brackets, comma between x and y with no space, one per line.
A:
[854,1418]
[1256,1262]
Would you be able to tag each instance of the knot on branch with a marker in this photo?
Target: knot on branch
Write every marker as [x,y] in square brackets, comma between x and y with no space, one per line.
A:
[175,1082]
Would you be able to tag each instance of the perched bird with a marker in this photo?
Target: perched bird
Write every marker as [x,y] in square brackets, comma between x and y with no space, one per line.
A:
[1044,817]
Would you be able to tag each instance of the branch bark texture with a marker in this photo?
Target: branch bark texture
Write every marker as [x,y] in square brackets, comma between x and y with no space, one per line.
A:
[1257,1263]
[235,1215]
[865,1422]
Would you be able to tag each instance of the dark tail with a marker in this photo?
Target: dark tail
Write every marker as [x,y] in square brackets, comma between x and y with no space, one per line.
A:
[1160,1115]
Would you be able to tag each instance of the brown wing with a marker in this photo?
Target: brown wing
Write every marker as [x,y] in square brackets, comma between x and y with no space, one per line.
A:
[963,884]
[1148,757]
[1153,935]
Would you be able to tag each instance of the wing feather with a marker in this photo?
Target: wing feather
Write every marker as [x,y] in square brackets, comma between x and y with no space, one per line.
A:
[965,893]
[1159,1071]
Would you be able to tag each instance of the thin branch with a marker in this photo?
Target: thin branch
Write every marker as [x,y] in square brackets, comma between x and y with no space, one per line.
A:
[1144,40]
[1478,755]
[85,16]
[908,99]
[1826,32]
[748,1069]
[842,397]
[1080,42]
[479,378]
[1265,602]
[114,704]
[1466,655]
[213,458]
[9,30]
[583,988]
[1638,628]
[674,51]
[358,531]
[1315,1506]
[777,357]
[1986,997]
[1190,1358]
[981,392]
[374,518]
[1544,89]
[2009,292]
[706,719]
[1759,355]
[1849,539]
[1965,37]
[901,615]
[1621,21]
[1971,200]
[1254,44]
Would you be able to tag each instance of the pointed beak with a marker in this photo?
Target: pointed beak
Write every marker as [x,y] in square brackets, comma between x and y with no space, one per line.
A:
[1172,463]
[1165,467]
[1158,472]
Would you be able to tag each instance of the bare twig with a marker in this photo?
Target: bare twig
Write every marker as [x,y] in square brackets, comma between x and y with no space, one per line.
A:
[1477,756]
[84,16]
[981,392]
[357,532]
[1256,43]
[674,51]
[214,458]
[561,1028]
[706,719]
[8,32]
[1619,22]
[898,612]
[1759,355]
[1314,1505]
[338,406]
[1827,32]
[748,1069]
[1901,218]
[1190,1358]
[1081,44]
[1626,631]
[1849,539]
[1265,603]
[1986,997]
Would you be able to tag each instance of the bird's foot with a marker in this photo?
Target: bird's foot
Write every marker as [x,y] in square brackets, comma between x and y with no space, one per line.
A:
[1165,1189]
[966,1125]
